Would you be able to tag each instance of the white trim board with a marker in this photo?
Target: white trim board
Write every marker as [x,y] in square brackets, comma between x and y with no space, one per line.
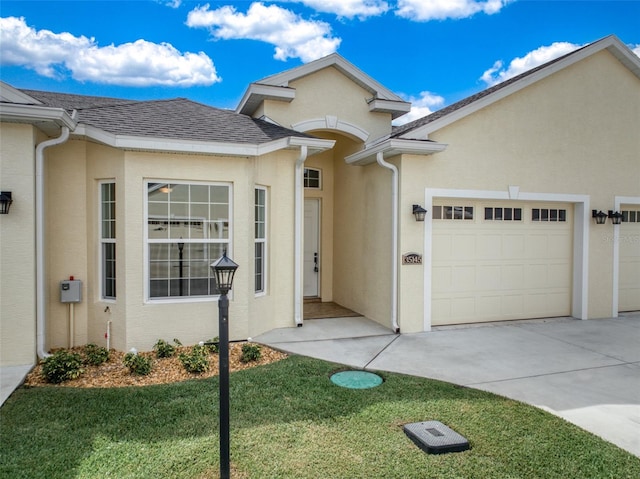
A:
[579,300]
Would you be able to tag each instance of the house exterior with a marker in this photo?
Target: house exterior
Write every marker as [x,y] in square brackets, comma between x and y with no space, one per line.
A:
[310,189]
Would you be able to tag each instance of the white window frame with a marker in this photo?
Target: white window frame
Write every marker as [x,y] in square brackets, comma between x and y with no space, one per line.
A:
[110,240]
[306,179]
[263,241]
[228,241]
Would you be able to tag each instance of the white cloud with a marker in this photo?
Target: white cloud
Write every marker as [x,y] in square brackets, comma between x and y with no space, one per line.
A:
[425,10]
[422,106]
[292,36]
[348,8]
[140,63]
[498,73]
[635,49]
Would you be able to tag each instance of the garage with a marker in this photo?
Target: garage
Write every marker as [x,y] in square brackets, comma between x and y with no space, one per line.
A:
[629,271]
[500,260]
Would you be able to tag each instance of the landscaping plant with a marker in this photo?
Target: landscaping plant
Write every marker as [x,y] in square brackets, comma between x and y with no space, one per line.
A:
[250,352]
[137,364]
[164,349]
[196,360]
[95,355]
[62,366]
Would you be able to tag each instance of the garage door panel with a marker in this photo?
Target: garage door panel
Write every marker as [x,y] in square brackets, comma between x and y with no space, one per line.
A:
[513,247]
[464,247]
[629,254]
[489,246]
[496,270]
[513,276]
[464,277]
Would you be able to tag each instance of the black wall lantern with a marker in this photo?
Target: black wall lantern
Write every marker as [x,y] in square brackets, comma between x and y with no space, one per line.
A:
[5,202]
[616,217]
[600,217]
[419,212]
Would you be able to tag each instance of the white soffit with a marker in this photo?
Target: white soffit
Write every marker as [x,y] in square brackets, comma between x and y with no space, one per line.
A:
[394,147]
[611,43]
[258,93]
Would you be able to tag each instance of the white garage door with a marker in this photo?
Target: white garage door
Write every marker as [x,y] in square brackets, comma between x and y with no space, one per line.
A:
[629,280]
[497,261]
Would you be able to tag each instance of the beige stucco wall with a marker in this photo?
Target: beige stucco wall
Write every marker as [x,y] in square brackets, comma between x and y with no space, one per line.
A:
[362,238]
[17,246]
[575,132]
[74,172]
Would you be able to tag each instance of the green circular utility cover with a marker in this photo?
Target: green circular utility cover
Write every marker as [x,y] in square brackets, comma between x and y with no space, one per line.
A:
[356,379]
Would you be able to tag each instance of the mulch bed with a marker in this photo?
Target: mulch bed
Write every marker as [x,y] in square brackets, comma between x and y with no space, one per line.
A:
[114,373]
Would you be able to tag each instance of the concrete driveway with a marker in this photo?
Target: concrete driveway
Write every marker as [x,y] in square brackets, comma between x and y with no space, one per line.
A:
[587,372]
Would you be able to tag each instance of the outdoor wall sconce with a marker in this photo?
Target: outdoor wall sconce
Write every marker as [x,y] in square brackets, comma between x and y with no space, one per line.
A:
[419,212]
[5,202]
[616,217]
[600,217]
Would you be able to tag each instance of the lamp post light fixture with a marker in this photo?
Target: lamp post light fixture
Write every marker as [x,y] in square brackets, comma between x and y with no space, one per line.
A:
[224,269]
[5,202]
[616,217]
[419,212]
[600,217]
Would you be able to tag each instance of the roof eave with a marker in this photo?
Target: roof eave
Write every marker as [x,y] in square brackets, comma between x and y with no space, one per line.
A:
[394,147]
[127,142]
[258,93]
[395,108]
[36,115]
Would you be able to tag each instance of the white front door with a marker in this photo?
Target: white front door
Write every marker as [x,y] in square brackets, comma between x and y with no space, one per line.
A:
[311,269]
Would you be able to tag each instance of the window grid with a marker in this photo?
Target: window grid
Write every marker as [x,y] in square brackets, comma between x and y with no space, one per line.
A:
[312,178]
[260,219]
[503,214]
[452,213]
[187,229]
[108,239]
[548,215]
[631,216]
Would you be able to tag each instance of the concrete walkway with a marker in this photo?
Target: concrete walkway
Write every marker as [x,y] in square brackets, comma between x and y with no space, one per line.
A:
[587,372]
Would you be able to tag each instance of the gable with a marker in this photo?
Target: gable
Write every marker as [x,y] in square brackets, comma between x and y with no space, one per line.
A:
[421,128]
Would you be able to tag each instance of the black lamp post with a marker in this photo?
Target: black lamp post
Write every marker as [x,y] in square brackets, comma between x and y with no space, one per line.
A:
[224,269]
[180,264]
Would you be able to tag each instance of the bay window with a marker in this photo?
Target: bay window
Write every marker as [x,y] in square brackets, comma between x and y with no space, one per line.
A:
[188,227]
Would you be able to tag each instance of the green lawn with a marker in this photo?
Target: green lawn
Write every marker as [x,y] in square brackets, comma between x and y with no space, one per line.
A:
[289,421]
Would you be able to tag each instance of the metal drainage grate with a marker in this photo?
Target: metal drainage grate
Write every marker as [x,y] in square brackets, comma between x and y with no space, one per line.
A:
[356,379]
[434,437]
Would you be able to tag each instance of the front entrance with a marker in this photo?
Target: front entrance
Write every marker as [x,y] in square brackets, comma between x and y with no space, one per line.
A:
[311,250]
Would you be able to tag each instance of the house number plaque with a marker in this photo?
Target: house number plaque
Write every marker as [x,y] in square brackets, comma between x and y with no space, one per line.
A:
[412,258]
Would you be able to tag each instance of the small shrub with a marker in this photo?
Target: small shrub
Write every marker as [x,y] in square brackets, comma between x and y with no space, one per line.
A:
[213,348]
[62,366]
[196,360]
[165,350]
[95,355]
[250,352]
[137,364]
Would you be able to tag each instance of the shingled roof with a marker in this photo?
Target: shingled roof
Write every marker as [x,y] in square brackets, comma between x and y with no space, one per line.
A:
[451,112]
[402,129]
[178,119]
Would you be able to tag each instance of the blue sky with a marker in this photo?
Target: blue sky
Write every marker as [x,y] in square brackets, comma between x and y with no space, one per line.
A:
[431,52]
